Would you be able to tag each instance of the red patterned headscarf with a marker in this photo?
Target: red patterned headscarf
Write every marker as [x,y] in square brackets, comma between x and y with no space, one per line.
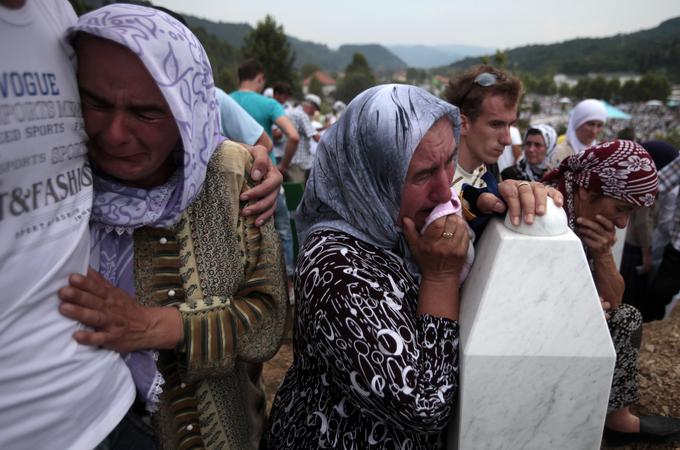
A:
[619,169]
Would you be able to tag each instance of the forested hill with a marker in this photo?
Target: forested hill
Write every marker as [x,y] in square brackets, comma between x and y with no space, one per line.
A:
[656,49]
[306,52]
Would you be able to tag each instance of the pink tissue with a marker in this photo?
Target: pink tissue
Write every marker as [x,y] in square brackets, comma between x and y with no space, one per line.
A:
[445,209]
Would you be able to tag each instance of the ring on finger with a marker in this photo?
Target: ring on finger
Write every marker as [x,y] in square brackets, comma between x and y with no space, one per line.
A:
[523,183]
[447,235]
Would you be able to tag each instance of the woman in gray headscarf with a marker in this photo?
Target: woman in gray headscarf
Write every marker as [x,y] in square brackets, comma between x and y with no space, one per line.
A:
[539,144]
[376,332]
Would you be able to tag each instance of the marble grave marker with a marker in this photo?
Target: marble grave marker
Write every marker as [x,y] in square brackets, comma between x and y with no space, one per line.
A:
[536,359]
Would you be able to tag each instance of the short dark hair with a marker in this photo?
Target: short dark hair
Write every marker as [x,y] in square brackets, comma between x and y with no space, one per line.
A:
[282,88]
[249,69]
[468,96]
[533,132]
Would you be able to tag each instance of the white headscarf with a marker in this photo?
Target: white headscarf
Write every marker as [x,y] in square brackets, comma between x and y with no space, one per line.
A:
[585,111]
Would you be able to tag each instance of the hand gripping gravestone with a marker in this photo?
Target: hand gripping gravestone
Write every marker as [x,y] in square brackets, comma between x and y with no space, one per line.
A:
[536,357]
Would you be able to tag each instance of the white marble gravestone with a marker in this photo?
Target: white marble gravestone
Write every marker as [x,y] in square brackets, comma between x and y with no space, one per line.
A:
[536,359]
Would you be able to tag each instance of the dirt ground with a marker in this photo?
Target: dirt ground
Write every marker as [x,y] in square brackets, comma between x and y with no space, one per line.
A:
[659,373]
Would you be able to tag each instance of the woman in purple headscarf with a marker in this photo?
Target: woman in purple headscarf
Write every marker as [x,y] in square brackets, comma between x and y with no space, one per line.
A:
[177,267]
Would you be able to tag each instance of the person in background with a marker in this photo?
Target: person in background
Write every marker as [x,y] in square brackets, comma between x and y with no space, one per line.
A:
[338,108]
[586,121]
[175,265]
[665,284]
[281,92]
[637,262]
[266,111]
[665,204]
[539,143]
[602,186]
[238,125]
[488,99]
[297,162]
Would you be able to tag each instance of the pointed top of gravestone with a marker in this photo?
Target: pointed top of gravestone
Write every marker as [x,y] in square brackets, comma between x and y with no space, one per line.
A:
[552,223]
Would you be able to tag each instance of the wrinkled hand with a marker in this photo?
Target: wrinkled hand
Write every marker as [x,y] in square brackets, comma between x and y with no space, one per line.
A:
[598,235]
[263,196]
[119,322]
[520,197]
[606,308]
[438,257]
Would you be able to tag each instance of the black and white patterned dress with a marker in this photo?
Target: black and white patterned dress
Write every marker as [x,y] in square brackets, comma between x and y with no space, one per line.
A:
[368,372]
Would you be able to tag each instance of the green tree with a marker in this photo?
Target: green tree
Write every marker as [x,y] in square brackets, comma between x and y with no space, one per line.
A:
[500,60]
[358,78]
[581,89]
[545,85]
[359,64]
[529,82]
[613,90]
[225,78]
[223,59]
[268,44]
[315,87]
[564,90]
[654,86]
[629,91]
[416,76]
[308,69]
[597,87]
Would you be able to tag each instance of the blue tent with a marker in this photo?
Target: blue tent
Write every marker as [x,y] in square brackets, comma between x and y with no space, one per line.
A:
[615,113]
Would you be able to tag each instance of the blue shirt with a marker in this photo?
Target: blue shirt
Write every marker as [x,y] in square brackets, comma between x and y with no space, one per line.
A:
[235,121]
[263,109]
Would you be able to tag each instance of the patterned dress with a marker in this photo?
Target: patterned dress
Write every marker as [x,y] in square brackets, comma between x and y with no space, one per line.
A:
[368,372]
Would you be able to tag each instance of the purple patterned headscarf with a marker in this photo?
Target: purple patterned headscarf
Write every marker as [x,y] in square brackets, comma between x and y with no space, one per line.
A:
[178,63]
[176,60]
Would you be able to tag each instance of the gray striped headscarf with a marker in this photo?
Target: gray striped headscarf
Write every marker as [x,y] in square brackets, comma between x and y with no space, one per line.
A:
[361,164]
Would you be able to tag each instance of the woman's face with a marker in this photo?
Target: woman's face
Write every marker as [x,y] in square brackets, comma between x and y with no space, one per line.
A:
[534,149]
[131,128]
[428,180]
[589,205]
[588,131]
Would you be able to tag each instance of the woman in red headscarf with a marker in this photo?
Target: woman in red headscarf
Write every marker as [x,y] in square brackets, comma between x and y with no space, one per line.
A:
[601,187]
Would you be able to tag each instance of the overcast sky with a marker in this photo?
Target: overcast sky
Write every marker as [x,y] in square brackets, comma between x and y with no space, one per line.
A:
[487,23]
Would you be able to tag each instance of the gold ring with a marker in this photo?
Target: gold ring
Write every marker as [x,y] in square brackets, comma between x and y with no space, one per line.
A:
[447,235]
[523,183]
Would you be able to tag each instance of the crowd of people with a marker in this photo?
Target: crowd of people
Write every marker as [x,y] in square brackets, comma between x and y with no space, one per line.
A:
[147,248]
[647,120]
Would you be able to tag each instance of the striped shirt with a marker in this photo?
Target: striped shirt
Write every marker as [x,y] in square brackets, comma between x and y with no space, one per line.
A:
[669,178]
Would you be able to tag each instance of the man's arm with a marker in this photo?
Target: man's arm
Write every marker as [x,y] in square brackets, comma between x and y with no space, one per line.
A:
[265,141]
[289,130]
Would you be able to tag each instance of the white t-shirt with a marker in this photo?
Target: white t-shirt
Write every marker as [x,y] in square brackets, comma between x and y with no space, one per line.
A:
[54,393]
